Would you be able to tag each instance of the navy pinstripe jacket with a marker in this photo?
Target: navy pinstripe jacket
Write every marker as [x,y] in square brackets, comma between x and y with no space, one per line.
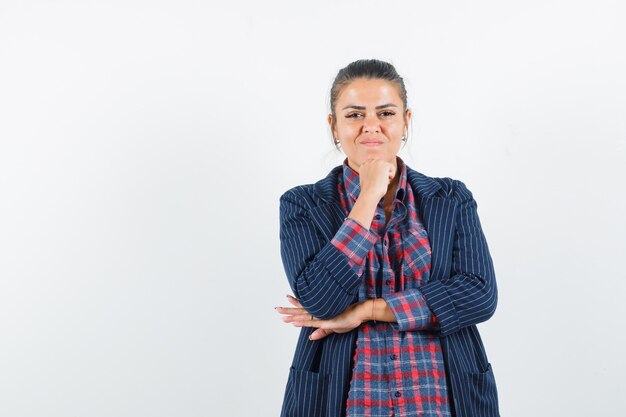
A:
[461,293]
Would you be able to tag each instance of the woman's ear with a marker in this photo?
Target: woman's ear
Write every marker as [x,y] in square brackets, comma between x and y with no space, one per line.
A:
[332,125]
[407,117]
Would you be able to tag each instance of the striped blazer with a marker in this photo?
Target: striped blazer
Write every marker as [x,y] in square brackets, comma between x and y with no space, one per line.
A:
[461,293]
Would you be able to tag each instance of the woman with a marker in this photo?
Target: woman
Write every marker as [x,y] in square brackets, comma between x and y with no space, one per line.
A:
[390,271]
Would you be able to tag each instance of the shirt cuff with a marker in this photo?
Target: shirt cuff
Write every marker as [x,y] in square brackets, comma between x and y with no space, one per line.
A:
[354,241]
[410,310]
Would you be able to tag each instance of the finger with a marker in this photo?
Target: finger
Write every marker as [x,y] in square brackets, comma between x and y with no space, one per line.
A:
[320,334]
[293,300]
[307,321]
[299,318]
[290,310]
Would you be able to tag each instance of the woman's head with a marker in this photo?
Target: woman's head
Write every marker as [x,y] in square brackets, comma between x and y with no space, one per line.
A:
[369,115]
[368,69]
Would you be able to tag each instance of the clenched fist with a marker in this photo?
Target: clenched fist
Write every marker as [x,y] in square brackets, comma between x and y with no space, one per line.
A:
[375,176]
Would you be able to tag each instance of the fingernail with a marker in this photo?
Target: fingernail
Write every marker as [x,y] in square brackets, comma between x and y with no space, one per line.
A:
[310,338]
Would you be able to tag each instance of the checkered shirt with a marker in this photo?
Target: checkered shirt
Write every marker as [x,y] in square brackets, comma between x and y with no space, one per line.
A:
[398,367]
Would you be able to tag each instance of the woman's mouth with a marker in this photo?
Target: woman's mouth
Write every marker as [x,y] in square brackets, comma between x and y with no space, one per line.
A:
[371,143]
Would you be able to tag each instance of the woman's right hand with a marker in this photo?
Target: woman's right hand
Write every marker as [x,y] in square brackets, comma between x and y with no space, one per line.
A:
[375,176]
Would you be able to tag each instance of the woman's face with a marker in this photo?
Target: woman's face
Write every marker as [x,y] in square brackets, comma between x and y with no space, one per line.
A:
[370,121]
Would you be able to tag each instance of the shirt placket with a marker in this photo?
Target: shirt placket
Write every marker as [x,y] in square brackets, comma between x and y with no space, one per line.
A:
[390,359]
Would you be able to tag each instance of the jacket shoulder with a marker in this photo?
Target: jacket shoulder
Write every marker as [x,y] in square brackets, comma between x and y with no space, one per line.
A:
[302,195]
[442,187]
[456,189]
[451,187]
[311,195]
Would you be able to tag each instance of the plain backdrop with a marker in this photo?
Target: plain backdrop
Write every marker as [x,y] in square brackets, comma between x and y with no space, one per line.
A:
[144,146]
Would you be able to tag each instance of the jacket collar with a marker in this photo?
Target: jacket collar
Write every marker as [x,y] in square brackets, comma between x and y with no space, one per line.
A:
[422,185]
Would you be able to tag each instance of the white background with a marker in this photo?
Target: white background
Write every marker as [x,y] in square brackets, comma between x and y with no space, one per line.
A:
[144,146]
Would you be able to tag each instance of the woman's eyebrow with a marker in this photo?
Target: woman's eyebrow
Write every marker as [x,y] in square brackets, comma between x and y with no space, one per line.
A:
[382,106]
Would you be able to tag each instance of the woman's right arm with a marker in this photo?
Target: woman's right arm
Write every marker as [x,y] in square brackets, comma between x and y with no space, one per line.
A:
[320,274]
[325,275]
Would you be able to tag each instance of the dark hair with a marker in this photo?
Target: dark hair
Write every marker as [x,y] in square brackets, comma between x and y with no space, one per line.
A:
[369,69]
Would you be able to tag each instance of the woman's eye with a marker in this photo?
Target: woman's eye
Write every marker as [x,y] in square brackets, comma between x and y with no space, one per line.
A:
[387,113]
[353,115]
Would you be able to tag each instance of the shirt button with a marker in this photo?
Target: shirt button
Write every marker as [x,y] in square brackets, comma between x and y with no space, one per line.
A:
[398,394]
[388,282]
[377,216]
[394,357]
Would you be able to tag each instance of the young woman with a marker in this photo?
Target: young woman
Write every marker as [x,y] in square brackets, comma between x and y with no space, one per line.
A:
[390,271]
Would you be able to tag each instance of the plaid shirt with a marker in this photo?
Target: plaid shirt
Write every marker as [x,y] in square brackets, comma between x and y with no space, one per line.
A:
[398,367]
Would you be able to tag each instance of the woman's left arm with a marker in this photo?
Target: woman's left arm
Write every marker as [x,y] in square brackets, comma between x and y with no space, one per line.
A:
[469,295]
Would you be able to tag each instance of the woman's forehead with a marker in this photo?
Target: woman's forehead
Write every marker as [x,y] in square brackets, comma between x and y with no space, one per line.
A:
[369,91]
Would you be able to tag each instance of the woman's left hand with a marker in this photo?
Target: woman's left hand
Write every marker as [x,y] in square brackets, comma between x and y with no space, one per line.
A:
[351,318]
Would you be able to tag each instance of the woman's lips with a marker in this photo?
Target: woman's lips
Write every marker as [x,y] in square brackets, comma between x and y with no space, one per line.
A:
[371,143]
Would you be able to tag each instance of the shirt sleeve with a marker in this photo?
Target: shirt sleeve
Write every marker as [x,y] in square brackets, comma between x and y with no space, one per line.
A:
[355,241]
[411,311]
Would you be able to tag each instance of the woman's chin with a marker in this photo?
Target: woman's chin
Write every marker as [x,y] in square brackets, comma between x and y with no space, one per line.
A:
[373,153]
[377,154]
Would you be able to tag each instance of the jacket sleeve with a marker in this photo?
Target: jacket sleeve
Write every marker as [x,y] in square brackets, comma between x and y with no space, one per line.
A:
[469,295]
[323,275]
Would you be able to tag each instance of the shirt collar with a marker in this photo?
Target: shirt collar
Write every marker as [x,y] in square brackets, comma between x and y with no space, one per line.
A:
[351,180]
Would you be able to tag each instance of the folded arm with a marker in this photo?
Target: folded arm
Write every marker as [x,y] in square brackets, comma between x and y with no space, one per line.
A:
[469,295]
[320,274]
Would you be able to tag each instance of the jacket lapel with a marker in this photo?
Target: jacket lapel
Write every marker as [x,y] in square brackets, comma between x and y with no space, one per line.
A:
[437,214]
[328,214]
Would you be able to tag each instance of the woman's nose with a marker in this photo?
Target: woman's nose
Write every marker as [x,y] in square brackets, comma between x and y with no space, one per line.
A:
[371,124]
